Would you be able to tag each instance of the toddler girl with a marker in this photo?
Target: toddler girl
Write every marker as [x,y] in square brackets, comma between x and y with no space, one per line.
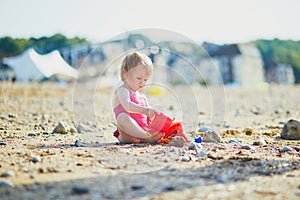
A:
[131,108]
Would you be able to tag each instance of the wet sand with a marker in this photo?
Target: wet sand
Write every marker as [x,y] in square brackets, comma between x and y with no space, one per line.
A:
[38,164]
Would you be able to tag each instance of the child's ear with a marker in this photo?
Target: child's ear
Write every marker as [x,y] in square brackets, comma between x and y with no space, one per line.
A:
[124,72]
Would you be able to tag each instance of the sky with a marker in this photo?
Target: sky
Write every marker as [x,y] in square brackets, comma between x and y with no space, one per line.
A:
[218,21]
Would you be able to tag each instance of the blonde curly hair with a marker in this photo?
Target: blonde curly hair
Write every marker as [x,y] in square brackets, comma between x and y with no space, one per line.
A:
[134,59]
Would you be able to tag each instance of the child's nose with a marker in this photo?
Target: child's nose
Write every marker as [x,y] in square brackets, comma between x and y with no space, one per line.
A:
[142,82]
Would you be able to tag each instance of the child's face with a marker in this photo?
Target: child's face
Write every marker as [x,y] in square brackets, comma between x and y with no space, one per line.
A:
[137,77]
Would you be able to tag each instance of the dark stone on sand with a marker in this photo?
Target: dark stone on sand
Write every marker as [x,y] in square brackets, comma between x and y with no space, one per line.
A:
[35,159]
[78,143]
[286,149]
[4,183]
[8,174]
[291,130]
[12,115]
[2,143]
[80,189]
[194,146]
[247,147]
[235,141]
[137,187]
[169,188]
[61,128]
[32,134]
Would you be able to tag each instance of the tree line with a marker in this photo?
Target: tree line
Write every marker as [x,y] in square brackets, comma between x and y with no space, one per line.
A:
[281,51]
[14,46]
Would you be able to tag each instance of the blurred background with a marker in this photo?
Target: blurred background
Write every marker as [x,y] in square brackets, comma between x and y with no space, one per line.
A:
[236,43]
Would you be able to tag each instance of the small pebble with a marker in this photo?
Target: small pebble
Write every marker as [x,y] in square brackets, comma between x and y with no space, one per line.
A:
[137,187]
[291,130]
[8,174]
[31,134]
[73,130]
[177,141]
[222,179]
[201,154]
[4,183]
[259,142]
[78,144]
[2,143]
[185,158]
[212,136]
[236,141]
[80,189]
[35,159]
[286,149]
[11,115]
[169,188]
[226,126]
[83,128]
[194,146]
[247,147]
[61,128]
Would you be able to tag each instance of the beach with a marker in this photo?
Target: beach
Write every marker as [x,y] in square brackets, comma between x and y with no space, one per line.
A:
[86,162]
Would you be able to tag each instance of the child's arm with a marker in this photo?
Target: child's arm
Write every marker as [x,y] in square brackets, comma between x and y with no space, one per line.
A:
[123,95]
[153,111]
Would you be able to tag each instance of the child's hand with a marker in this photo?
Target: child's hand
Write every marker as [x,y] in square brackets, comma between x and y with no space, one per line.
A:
[151,112]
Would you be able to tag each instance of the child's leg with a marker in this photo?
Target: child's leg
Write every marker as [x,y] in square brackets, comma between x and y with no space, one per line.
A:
[129,126]
[130,130]
[125,139]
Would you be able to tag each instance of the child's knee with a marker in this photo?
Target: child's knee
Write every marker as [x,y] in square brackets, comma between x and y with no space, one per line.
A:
[122,120]
[122,117]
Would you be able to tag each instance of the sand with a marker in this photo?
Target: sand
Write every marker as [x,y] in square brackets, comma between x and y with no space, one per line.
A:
[38,164]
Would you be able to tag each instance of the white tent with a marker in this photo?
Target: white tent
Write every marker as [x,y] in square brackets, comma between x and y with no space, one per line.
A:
[31,66]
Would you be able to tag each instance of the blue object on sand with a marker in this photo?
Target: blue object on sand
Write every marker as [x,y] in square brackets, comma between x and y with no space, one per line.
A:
[198,139]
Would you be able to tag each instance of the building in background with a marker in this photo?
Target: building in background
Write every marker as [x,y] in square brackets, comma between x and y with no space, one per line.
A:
[237,64]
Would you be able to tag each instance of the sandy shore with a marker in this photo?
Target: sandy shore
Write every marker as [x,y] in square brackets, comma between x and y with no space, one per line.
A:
[38,164]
